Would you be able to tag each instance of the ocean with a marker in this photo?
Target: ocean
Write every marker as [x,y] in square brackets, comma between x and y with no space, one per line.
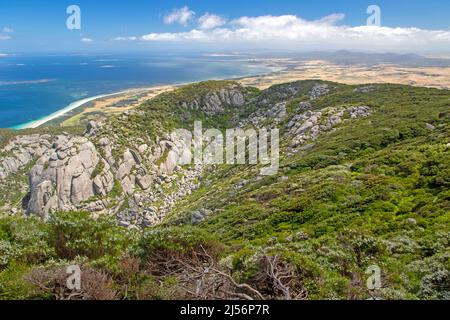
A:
[33,87]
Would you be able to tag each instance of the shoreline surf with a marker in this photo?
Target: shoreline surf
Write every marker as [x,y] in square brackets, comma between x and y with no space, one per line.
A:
[82,102]
[72,106]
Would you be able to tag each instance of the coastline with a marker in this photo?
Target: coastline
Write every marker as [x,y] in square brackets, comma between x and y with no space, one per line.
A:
[72,106]
[80,107]
[83,102]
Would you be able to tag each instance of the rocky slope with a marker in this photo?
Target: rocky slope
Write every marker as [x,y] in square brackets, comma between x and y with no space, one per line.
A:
[81,172]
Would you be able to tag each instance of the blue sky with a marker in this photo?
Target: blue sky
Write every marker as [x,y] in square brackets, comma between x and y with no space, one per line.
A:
[30,25]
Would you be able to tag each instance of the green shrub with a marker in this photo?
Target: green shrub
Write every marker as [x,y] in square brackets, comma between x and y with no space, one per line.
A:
[79,234]
[25,240]
[175,239]
[13,285]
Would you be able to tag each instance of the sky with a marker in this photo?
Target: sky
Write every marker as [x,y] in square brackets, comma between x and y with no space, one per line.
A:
[231,25]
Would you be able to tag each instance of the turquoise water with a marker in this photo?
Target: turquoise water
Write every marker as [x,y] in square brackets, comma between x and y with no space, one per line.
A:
[32,87]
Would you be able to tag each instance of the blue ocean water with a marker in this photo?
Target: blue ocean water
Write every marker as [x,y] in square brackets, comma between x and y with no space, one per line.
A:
[32,87]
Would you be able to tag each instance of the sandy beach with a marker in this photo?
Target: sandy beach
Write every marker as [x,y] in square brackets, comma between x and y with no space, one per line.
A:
[118,103]
[100,102]
[59,113]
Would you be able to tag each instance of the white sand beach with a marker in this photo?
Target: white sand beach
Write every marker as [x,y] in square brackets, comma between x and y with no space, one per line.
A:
[59,113]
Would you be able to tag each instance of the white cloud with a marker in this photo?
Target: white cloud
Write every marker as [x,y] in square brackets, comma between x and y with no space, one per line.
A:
[193,35]
[210,21]
[331,19]
[7,30]
[125,39]
[86,40]
[4,37]
[181,16]
[292,32]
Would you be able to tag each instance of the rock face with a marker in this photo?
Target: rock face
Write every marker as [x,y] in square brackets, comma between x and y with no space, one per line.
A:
[22,150]
[318,91]
[150,207]
[92,128]
[215,102]
[276,114]
[277,94]
[73,173]
[359,112]
[177,152]
[307,126]
[61,178]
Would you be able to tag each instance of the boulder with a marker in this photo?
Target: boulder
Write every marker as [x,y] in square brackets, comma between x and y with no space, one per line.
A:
[143,181]
[318,91]
[65,171]
[199,216]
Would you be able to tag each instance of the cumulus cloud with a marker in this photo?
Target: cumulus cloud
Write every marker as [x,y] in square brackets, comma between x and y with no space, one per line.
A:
[86,40]
[181,16]
[210,21]
[7,30]
[4,37]
[289,31]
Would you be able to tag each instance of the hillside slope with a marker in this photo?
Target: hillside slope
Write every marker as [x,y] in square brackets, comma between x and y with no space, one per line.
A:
[363,181]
